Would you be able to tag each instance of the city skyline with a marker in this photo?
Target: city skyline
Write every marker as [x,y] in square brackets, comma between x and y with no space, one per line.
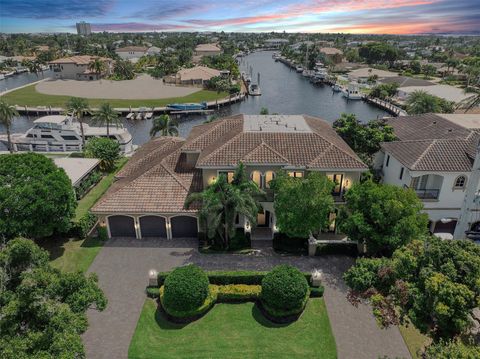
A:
[348,16]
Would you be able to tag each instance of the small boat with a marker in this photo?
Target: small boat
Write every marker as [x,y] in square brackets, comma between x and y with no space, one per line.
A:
[130,116]
[9,74]
[248,79]
[352,92]
[187,106]
[2,77]
[254,90]
[139,116]
[148,115]
[336,88]
[299,69]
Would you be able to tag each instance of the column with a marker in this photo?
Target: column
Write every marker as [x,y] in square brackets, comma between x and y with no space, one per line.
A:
[138,230]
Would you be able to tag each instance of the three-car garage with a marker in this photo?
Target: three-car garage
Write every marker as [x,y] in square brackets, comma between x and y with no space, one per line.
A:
[153,226]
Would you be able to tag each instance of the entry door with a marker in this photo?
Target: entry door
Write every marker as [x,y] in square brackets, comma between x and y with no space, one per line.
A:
[338,180]
[263,219]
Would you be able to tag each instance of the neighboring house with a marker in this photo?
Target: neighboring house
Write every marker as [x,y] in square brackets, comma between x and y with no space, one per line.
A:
[405,81]
[363,74]
[148,198]
[153,50]
[77,67]
[334,54]
[78,170]
[275,43]
[447,92]
[197,75]
[433,155]
[131,53]
[207,50]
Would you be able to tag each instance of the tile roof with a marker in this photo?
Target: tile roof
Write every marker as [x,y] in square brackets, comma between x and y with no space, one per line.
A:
[79,60]
[197,72]
[433,143]
[158,178]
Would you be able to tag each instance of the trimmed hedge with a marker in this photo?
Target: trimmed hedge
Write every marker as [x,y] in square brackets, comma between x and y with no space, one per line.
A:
[283,243]
[349,249]
[186,316]
[237,293]
[285,291]
[83,226]
[284,315]
[153,292]
[316,292]
[230,277]
[185,289]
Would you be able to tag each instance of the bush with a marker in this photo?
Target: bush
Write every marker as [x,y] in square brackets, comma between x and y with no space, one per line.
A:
[283,243]
[284,290]
[105,149]
[87,184]
[316,292]
[84,225]
[102,233]
[192,314]
[349,249]
[238,293]
[186,289]
[153,292]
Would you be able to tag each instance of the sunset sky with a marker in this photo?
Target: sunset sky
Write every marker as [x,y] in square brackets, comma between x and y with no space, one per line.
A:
[348,16]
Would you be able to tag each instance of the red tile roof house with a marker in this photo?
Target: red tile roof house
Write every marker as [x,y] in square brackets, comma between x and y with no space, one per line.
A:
[77,67]
[147,200]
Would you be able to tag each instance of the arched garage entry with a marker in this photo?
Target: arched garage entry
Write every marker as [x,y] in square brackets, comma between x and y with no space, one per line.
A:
[184,227]
[153,226]
[121,226]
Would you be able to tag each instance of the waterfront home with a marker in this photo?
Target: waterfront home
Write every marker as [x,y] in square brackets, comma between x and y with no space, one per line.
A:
[362,75]
[197,75]
[147,200]
[207,50]
[153,50]
[434,155]
[447,92]
[78,67]
[131,53]
[334,54]
[275,43]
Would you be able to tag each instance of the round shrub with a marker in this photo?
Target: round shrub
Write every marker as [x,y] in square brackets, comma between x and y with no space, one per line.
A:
[185,288]
[284,289]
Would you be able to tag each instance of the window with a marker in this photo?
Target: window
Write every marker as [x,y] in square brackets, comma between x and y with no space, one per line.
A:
[228,175]
[460,182]
[337,179]
[401,173]
[269,175]
[256,177]
[388,161]
[69,138]
[47,136]
[296,174]
[29,135]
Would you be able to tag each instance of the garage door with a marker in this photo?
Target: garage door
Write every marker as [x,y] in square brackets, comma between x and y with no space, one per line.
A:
[184,227]
[153,226]
[445,227]
[121,226]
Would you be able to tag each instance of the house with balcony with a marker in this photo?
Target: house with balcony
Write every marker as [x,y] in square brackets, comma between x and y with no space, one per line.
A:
[147,200]
[78,68]
[434,155]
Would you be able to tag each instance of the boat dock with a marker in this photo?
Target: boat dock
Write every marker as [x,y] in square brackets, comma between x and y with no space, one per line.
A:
[387,106]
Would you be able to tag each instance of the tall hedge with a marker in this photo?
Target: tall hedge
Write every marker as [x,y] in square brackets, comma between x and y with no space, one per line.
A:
[185,288]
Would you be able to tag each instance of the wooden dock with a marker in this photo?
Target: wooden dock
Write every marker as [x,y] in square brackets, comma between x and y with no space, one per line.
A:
[387,106]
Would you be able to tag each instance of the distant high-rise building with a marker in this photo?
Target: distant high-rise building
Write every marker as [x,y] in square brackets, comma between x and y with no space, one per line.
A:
[83,28]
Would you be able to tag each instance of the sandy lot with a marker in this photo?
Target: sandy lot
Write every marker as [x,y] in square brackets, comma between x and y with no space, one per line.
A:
[142,87]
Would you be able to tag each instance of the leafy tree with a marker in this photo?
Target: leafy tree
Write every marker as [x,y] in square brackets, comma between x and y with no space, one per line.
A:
[218,84]
[221,202]
[78,107]
[106,115]
[7,114]
[97,66]
[302,205]
[419,102]
[416,67]
[105,149]
[452,349]
[434,282]
[384,217]
[123,70]
[36,197]
[42,310]
[379,52]
[429,70]
[364,139]
[165,125]
[384,91]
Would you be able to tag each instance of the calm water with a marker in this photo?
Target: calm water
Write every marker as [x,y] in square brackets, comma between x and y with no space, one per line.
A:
[283,91]
[22,79]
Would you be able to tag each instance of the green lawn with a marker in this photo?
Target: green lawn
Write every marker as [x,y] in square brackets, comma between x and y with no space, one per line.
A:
[414,340]
[234,331]
[28,96]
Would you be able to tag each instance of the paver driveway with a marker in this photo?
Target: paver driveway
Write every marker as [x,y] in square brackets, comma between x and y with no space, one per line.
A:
[122,267]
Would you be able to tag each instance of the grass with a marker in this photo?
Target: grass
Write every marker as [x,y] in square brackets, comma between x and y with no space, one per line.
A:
[28,96]
[233,331]
[414,340]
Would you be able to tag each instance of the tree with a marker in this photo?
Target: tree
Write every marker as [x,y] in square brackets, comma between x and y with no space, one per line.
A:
[384,91]
[434,282]
[36,197]
[384,217]
[34,67]
[416,67]
[364,139]
[452,349]
[379,52]
[97,66]
[221,202]
[78,107]
[42,310]
[302,205]
[123,70]
[7,114]
[165,125]
[264,111]
[106,115]
[429,70]
[419,102]
[105,149]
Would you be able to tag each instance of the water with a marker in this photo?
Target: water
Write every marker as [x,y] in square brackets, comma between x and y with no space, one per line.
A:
[283,91]
[22,79]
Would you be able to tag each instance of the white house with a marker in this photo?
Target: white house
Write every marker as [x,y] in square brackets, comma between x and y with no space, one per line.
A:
[434,155]
[131,53]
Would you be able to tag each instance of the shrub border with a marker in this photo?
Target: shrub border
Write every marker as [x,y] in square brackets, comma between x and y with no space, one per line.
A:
[286,316]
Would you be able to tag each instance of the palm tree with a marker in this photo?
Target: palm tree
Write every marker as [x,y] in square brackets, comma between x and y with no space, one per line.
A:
[165,125]
[7,113]
[78,108]
[419,102]
[221,202]
[97,66]
[34,67]
[106,115]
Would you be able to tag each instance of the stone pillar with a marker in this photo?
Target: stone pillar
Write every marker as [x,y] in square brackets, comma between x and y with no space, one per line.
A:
[169,228]
[138,230]
[312,246]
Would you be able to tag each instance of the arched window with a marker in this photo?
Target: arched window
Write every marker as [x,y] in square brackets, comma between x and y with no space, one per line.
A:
[269,175]
[460,182]
[257,178]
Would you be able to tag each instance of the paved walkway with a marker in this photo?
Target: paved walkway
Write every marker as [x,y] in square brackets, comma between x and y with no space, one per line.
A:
[123,271]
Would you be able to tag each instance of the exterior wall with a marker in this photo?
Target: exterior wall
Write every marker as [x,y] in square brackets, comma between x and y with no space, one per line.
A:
[76,72]
[130,54]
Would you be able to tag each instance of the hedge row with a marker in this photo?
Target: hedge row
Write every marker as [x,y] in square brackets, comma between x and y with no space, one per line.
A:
[236,293]
[83,226]
[230,277]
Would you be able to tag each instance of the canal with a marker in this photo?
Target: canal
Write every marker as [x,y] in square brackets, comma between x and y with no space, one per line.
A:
[284,91]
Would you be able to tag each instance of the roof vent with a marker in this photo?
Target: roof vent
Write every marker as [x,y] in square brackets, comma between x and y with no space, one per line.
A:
[449,130]
[434,122]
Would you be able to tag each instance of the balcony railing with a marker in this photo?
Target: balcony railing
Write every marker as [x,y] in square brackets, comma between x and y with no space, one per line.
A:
[428,193]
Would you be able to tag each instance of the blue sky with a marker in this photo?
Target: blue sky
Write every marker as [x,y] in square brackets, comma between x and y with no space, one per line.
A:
[349,16]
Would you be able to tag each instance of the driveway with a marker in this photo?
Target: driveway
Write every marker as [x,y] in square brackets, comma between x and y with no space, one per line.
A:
[122,267]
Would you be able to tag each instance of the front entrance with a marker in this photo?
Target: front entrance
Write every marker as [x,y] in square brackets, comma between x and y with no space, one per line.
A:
[263,218]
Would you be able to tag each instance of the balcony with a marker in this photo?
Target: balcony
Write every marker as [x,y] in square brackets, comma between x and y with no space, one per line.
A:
[427,193]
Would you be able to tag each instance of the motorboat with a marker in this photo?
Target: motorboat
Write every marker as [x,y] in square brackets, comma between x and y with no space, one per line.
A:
[299,69]
[352,92]
[187,106]
[336,88]
[60,133]
[254,90]
[148,115]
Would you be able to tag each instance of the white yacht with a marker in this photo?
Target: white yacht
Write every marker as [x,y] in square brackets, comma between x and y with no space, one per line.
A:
[352,92]
[254,90]
[59,133]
